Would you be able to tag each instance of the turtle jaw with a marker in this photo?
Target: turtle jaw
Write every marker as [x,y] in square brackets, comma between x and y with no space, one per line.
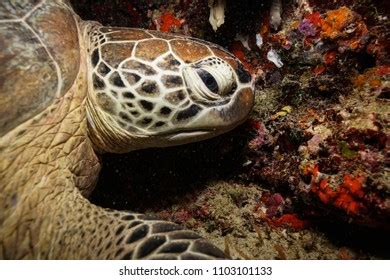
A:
[184,137]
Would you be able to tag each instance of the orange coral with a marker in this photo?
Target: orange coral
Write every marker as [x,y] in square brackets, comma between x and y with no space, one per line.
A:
[168,21]
[359,81]
[372,77]
[295,24]
[335,21]
[345,26]
[375,83]
[315,170]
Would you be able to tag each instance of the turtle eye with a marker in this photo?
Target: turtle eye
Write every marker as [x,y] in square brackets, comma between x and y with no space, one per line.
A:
[208,80]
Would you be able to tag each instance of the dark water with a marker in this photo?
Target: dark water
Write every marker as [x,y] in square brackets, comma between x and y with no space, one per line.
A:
[153,178]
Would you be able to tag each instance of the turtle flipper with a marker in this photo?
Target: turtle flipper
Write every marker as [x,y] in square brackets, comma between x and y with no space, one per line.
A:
[78,229]
[137,236]
[70,227]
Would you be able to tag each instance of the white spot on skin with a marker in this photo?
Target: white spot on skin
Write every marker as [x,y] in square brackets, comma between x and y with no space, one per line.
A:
[274,58]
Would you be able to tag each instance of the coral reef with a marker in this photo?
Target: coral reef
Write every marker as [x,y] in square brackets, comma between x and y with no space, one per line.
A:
[332,151]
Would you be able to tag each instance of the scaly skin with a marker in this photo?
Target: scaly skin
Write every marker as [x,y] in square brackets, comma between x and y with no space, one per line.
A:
[49,164]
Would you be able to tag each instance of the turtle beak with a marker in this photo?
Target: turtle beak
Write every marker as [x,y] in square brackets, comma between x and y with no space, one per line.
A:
[238,109]
[223,118]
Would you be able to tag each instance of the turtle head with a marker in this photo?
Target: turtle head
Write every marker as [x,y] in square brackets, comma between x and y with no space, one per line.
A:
[164,92]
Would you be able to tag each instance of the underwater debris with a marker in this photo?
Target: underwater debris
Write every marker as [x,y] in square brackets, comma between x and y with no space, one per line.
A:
[303,6]
[281,252]
[282,113]
[273,56]
[217,13]
[276,14]
[259,40]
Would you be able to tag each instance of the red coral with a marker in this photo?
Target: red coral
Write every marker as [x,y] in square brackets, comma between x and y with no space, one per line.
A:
[383,70]
[290,220]
[255,124]
[325,193]
[168,21]
[346,202]
[330,57]
[315,18]
[354,185]
[348,196]
[319,69]
[239,51]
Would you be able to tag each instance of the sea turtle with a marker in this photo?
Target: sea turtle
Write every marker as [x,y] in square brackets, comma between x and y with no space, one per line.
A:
[72,89]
